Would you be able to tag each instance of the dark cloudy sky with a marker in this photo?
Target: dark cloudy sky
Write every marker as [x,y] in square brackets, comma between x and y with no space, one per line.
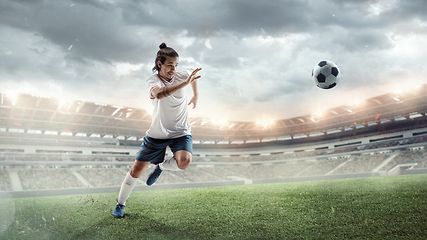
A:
[256,56]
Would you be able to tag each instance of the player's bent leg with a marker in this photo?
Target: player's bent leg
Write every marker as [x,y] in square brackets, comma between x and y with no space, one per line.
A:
[180,161]
[183,159]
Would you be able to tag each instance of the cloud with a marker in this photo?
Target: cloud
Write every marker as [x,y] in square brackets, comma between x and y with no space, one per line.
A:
[93,32]
[257,56]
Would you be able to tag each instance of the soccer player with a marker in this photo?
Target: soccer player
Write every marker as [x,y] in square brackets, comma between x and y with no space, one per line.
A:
[170,125]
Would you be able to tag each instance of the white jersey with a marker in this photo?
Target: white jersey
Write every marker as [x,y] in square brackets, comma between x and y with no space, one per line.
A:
[170,114]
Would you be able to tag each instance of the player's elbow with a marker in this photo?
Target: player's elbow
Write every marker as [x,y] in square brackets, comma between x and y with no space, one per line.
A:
[159,96]
[155,93]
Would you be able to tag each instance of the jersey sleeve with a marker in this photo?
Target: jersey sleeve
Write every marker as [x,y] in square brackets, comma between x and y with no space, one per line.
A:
[152,83]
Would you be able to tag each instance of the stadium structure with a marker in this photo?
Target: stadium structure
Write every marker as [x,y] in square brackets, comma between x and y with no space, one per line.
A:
[51,147]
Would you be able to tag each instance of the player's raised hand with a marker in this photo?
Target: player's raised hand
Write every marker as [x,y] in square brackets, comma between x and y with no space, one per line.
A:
[193,76]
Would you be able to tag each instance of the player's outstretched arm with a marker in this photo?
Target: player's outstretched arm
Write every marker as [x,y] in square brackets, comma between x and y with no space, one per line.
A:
[162,92]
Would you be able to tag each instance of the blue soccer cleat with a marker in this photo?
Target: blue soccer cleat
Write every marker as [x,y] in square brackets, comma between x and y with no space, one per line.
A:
[118,210]
[152,178]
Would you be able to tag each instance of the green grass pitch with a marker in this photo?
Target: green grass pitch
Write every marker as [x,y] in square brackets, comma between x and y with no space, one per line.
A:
[369,208]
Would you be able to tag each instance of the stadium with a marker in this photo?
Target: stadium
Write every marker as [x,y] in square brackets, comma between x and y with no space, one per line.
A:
[50,147]
[310,119]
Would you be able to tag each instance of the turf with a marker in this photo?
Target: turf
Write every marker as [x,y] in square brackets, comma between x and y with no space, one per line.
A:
[369,208]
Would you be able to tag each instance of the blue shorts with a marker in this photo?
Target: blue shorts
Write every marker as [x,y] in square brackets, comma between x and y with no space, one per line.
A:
[154,150]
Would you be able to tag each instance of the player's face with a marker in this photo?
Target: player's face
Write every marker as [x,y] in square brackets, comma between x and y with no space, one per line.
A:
[168,69]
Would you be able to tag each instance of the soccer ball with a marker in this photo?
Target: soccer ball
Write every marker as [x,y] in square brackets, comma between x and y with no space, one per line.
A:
[326,74]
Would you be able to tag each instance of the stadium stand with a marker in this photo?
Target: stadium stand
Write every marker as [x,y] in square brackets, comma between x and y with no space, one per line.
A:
[416,155]
[48,178]
[362,163]
[5,184]
[102,176]
[46,145]
[323,167]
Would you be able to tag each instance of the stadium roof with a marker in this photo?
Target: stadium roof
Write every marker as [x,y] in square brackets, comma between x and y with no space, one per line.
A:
[33,112]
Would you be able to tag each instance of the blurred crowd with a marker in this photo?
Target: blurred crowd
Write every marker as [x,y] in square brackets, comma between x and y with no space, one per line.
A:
[248,167]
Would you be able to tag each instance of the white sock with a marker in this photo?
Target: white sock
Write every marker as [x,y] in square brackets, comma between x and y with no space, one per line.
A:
[127,186]
[169,164]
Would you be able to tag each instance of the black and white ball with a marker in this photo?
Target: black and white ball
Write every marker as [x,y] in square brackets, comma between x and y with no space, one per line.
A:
[326,74]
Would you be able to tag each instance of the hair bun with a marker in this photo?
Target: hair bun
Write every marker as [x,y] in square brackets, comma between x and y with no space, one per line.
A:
[163,45]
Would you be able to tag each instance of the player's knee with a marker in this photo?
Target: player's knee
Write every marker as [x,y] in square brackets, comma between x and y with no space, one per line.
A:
[135,173]
[136,170]
[184,162]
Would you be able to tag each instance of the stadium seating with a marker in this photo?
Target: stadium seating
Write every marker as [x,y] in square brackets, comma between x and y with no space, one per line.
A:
[418,156]
[5,184]
[362,163]
[279,164]
[48,178]
[322,167]
[103,177]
